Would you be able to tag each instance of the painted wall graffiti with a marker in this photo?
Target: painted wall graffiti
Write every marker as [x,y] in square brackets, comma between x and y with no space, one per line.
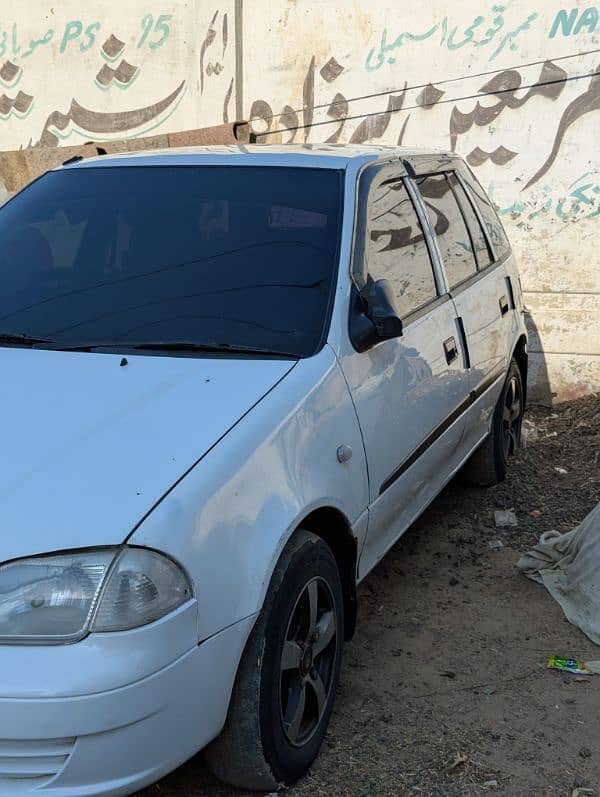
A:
[489,31]
[574,21]
[209,68]
[513,86]
[580,202]
[104,125]
[499,93]
[65,78]
[76,35]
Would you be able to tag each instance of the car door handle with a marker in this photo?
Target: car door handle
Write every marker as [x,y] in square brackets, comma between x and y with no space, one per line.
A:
[503,305]
[450,350]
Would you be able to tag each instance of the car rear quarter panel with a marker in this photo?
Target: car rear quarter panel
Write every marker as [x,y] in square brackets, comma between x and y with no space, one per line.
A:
[229,518]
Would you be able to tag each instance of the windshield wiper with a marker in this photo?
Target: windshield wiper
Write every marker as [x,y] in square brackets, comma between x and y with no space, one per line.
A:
[184,345]
[176,346]
[23,340]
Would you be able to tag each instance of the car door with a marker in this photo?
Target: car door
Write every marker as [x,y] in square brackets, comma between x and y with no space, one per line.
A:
[408,392]
[479,287]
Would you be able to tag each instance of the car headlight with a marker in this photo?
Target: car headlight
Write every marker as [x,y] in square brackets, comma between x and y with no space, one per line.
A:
[61,598]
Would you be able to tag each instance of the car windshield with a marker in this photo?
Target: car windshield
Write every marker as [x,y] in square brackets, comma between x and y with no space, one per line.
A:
[237,256]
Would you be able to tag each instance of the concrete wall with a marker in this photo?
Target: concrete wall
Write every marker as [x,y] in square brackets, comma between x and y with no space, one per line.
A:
[513,86]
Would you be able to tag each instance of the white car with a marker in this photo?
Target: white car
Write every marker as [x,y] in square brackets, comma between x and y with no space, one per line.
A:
[232,378]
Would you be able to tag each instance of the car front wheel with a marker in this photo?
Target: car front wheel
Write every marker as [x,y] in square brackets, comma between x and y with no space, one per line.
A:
[287,679]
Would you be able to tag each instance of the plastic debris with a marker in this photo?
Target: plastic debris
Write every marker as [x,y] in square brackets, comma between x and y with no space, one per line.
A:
[562,471]
[490,784]
[535,513]
[575,666]
[495,545]
[505,517]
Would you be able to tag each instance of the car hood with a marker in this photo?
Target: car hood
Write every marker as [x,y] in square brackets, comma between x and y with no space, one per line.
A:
[92,441]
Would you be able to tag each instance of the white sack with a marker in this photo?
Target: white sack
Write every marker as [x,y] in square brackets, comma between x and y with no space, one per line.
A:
[568,565]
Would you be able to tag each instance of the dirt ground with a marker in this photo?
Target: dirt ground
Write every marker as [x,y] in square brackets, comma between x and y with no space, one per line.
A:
[448,663]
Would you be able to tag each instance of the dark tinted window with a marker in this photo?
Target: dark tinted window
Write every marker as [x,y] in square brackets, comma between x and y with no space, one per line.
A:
[489,215]
[452,235]
[396,248]
[478,240]
[238,255]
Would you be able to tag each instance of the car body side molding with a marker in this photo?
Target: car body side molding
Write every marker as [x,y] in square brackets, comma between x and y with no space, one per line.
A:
[439,430]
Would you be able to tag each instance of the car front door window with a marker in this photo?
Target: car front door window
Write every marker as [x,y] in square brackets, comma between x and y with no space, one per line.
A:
[396,248]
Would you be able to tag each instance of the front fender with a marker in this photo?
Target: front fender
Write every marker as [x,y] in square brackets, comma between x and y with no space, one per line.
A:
[229,518]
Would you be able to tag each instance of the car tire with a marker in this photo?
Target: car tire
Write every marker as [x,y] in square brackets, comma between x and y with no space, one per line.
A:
[489,464]
[286,682]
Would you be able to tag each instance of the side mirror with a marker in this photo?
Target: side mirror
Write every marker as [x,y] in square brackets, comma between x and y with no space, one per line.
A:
[381,310]
[374,316]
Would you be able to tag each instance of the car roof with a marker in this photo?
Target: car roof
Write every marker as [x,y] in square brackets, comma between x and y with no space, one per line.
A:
[325,156]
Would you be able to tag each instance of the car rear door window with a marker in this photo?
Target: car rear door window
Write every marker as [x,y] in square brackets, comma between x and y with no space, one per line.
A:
[453,238]
[478,239]
[396,248]
[493,224]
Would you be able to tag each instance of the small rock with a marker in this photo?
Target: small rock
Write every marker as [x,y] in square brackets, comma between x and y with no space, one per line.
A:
[495,545]
[529,435]
[490,784]
[585,752]
[453,581]
[505,517]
